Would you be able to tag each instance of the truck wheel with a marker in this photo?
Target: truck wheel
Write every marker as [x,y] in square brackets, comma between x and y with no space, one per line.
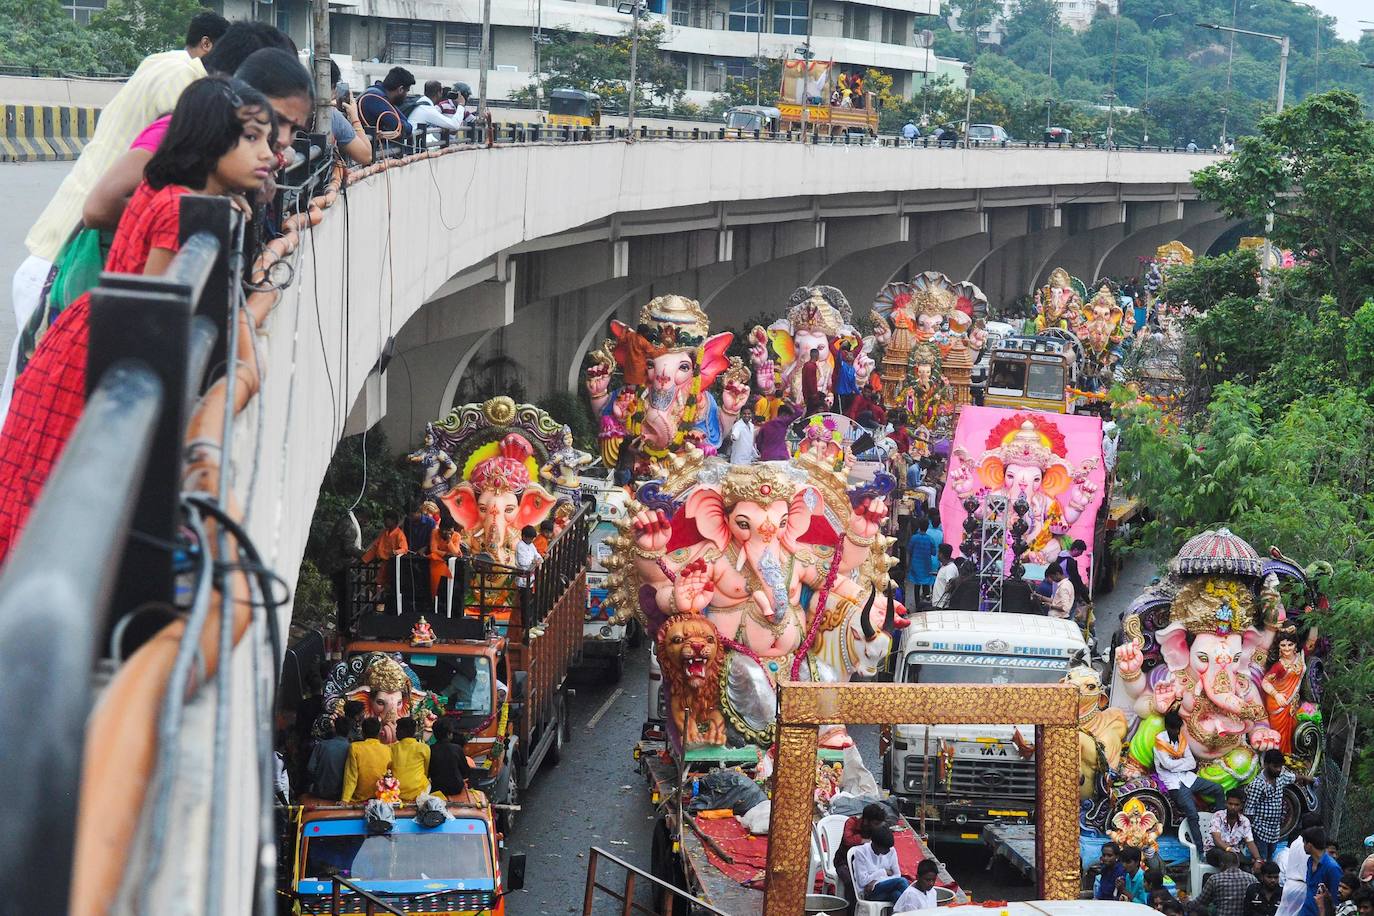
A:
[616,669]
[560,732]
[505,820]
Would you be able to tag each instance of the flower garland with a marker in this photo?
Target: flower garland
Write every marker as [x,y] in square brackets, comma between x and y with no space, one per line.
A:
[815,628]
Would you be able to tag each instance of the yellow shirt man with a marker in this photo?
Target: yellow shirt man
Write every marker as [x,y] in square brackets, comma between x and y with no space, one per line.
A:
[367,762]
[151,92]
[410,766]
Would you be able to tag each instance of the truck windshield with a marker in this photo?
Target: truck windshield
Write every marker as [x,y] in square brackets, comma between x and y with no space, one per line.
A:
[960,668]
[1008,377]
[576,107]
[399,857]
[1046,381]
[463,680]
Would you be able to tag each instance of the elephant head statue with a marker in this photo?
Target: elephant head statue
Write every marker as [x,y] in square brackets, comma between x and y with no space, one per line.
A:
[767,515]
[499,499]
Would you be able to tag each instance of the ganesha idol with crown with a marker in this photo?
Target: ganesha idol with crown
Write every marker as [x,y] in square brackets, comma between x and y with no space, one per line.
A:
[667,365]
[747,575]
[1226,640]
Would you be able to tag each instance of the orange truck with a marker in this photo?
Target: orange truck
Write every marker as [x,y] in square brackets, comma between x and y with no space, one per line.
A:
[822,119]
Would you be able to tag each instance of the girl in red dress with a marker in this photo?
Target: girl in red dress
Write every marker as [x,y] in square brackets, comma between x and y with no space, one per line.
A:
[220,143]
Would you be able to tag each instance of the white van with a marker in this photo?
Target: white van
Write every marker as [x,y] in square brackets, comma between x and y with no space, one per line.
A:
[983,775]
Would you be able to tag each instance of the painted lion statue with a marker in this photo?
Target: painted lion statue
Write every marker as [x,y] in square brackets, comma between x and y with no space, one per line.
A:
[689,653]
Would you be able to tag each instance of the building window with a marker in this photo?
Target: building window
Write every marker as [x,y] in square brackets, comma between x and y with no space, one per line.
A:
[740,68]
[895,28]
[462,45]
[83,10]
[410,43]
[678,10]
[789,17]
[746,16]
[856,22]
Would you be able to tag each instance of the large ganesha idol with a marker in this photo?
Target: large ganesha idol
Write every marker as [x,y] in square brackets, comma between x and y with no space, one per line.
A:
[667,364]
[929,321]
[748,575]
[387,689]
[1201,641]
[1059,304]
[1025,457]
[1103,328]
[500,447]
[817,318]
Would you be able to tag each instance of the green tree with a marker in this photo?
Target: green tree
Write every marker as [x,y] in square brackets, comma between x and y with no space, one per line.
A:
[761,89]
[601,64]
[40,33]
[133,29]
[1313,167]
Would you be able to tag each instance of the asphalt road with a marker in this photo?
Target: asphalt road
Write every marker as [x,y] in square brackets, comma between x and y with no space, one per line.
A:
[596,796]
[28,187]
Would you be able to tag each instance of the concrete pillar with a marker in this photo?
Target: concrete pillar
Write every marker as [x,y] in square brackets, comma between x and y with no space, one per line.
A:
[862,273]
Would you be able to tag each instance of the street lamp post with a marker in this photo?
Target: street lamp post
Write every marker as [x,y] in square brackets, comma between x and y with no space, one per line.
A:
[1283,52]
[806,54]
[634,8]
[1145,106]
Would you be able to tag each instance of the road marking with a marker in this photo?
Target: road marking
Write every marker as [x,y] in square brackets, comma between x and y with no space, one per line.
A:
[605,707]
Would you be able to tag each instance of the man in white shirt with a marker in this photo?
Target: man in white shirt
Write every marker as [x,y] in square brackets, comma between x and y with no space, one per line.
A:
[921,894]
[742,440]
[877,876]
[1177,769]
[944,579]
[526,555]
[1060,602]
[426,112]
[1293,868]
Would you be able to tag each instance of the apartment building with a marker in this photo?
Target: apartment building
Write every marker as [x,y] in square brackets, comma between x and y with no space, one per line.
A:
[710,40]
[1077,15]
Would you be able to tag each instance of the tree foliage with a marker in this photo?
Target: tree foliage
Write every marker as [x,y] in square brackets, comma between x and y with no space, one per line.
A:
[601,64]
[1313,167]
[133,29]
[1280,450]
[40,33]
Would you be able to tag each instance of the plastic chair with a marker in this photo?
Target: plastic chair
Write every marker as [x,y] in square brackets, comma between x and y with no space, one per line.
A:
[864,907]
[1198,869]
[829,830]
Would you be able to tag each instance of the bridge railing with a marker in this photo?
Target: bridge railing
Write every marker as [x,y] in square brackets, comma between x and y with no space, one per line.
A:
[478,135]
[95,569]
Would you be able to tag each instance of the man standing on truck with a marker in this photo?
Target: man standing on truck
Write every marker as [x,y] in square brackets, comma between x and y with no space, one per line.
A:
[1060,602]
[920,563]
[391,543]
[944,579]
[368,761]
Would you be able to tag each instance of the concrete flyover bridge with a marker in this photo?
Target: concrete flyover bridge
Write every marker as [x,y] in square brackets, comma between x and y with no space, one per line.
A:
[501,269]
[417,275]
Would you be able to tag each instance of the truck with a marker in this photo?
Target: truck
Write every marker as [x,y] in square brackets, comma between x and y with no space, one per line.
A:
[803,103]
[331,860]
[521,718]
[1038,372]
[606,639]
[954,779]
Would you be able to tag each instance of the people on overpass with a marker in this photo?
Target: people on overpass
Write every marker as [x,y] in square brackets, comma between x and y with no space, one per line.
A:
[378,106]
[426,112]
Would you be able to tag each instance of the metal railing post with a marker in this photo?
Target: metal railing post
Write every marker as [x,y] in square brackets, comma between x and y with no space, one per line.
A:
[150,319]
[216,216]
[83,512]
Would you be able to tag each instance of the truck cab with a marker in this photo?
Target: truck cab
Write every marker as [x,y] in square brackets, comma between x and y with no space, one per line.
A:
[956,778]
[605,639]
[574,108]
[1035,373]
[471,671]
[750,118]
[452,868]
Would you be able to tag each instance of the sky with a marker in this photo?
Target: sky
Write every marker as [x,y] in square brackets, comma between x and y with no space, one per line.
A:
[1348,13]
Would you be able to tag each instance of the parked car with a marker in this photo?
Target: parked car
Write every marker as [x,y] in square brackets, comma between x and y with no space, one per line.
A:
[988,133]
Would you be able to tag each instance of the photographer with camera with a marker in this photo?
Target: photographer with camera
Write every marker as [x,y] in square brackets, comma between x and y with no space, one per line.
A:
[344,124]
[426,112]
